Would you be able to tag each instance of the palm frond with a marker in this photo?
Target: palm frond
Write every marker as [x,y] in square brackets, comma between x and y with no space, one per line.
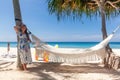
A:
[77,8]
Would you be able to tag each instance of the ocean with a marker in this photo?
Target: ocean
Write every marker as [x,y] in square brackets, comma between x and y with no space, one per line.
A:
[67,44]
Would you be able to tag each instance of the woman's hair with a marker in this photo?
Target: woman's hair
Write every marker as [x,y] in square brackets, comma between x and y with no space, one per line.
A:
[28,38]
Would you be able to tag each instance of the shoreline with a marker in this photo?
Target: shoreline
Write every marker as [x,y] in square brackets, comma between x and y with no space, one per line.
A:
[14,49]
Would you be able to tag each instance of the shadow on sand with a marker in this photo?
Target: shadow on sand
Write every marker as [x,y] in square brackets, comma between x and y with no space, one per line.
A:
[38,68]
[49,71]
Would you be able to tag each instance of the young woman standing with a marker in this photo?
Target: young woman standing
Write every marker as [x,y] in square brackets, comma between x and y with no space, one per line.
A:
[24,46]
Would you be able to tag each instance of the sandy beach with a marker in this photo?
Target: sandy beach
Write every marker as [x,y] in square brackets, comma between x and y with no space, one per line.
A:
[53,71]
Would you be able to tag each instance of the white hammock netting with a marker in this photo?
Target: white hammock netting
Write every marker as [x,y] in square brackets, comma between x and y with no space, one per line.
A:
[68,55]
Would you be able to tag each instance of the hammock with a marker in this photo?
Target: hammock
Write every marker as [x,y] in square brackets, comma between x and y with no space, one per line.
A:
[95,53]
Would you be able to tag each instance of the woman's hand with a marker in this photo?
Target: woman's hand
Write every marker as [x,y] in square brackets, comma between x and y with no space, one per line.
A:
[16,28]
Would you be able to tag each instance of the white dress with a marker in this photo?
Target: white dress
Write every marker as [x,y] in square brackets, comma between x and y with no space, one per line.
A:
[24,49]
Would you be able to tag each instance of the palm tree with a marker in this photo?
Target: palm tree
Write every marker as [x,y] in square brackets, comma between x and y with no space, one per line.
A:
[77,8]
[18,21]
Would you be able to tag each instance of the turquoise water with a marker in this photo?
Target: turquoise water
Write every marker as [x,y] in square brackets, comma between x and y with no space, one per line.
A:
[67,44]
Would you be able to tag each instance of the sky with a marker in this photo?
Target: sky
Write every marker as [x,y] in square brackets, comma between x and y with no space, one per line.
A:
[45,26]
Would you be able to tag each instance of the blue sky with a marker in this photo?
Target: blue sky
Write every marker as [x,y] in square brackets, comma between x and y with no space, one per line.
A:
[37,18]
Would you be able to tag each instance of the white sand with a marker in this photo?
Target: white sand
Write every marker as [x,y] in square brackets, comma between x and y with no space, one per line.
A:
[53,71]
[12,52]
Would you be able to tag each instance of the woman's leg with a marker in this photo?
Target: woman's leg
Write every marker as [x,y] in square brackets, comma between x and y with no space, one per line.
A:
[24,66]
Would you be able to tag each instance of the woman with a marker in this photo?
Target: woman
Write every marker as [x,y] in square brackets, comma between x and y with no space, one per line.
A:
[24,47]
[8,47]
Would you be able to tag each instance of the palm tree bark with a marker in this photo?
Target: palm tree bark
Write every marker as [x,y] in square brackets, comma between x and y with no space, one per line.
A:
[18,21]
[104,32]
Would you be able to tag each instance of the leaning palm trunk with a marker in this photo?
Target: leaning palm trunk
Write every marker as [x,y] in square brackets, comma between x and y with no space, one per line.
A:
[108,49]
[18,21]
[104,32]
